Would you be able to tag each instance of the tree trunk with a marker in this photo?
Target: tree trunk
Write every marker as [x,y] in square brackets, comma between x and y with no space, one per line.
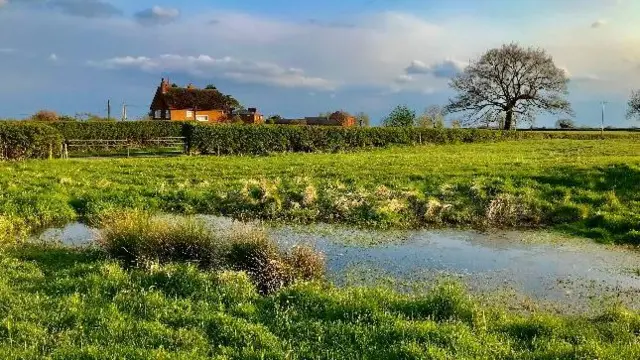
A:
[508,120]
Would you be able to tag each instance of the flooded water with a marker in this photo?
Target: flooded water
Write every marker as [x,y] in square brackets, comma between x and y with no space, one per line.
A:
[541,266]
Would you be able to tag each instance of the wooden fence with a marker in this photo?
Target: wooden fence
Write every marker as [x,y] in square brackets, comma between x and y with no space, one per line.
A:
[168,143]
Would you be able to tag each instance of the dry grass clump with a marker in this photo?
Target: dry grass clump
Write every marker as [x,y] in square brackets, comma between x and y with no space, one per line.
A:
[138,239]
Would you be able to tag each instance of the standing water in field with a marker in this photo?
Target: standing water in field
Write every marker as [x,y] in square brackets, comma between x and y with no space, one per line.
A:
[542,266]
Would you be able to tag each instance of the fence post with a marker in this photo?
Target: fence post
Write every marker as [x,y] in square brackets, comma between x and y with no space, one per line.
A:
[66,151]
[50,151]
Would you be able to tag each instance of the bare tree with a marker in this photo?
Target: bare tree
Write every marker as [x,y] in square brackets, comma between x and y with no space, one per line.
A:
[432,117]
[634,105]
[513,81]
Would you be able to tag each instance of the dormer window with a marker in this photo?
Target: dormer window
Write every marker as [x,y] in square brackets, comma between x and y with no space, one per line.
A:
[158,114]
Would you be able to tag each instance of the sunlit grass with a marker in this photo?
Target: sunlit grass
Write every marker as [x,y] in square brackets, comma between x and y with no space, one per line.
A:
[585,188]
[58,303]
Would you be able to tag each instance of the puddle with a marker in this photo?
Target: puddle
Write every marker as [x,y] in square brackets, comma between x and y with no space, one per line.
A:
[73,234]
[542,266]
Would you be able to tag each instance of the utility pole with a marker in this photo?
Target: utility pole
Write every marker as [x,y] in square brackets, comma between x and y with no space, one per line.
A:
[124,111]
[109,110]
[602,124]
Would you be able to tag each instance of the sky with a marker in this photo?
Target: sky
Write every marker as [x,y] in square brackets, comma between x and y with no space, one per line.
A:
[299,58]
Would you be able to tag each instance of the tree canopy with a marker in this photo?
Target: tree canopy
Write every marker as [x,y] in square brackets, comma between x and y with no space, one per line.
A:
[513,81]
[432,117]
[565,124]
[401,116]
[634,106]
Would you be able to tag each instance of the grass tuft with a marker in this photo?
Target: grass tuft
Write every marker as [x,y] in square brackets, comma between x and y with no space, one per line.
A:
[140,239]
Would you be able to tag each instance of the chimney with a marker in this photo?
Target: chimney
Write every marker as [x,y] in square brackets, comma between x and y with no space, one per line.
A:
[164,86]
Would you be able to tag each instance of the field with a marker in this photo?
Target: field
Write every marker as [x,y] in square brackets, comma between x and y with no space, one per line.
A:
[585,187]
[159,291]
[58,303]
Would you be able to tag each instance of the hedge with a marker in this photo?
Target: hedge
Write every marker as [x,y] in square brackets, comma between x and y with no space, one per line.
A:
[264,139]
[134,131]
[21,140]
[33,140]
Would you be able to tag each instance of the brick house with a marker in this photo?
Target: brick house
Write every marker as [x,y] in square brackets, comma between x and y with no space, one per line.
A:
[190,103]
[338,118]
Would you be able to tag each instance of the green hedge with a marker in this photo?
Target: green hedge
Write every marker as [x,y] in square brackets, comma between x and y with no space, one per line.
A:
[264,139]
[31,140]
[135,131]
[21,140]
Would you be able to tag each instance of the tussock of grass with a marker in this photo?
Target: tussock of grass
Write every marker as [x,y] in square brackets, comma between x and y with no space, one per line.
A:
[57,303]
[139,239]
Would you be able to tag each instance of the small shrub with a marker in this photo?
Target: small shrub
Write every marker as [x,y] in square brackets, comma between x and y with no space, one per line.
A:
[306,263]
[45,115]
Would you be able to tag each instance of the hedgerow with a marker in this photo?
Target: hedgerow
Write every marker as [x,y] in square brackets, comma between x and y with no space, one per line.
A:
[19,141]
[264,139]
[135,131]
[228,139]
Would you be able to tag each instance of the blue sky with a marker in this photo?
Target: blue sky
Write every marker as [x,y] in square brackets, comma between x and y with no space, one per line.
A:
[299,58]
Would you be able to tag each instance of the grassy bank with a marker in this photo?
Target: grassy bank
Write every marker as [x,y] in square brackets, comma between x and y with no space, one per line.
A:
[57,303]
[584,187]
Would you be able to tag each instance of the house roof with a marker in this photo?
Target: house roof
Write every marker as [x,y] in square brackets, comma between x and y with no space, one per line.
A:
[189,98]
[202,99]
[321,120]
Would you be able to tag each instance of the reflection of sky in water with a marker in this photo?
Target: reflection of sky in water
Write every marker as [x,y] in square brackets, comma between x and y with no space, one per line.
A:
[484,262]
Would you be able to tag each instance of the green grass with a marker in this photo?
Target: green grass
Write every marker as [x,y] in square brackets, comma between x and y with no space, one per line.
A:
[59,303]
[586,188]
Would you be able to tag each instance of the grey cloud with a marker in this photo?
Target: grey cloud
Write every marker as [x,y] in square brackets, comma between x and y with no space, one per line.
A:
[445,69]
[598,24]
[157,15]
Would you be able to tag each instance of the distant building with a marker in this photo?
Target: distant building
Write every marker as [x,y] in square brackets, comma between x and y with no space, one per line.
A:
[193,104]
[338,118]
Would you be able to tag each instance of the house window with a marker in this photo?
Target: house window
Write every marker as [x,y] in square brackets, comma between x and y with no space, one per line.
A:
[167,114]
[189,114]
[202,117]
[158,114]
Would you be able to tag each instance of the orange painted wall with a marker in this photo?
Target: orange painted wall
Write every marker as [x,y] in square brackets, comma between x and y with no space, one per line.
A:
[181,115]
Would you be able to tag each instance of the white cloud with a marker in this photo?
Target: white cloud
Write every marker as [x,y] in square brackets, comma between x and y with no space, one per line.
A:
[53,57]
[205,66]
[403,79]
[599,23]
[444,69]
[157,15]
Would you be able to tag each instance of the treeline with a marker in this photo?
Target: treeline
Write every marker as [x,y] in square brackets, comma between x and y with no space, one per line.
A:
[26,140]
